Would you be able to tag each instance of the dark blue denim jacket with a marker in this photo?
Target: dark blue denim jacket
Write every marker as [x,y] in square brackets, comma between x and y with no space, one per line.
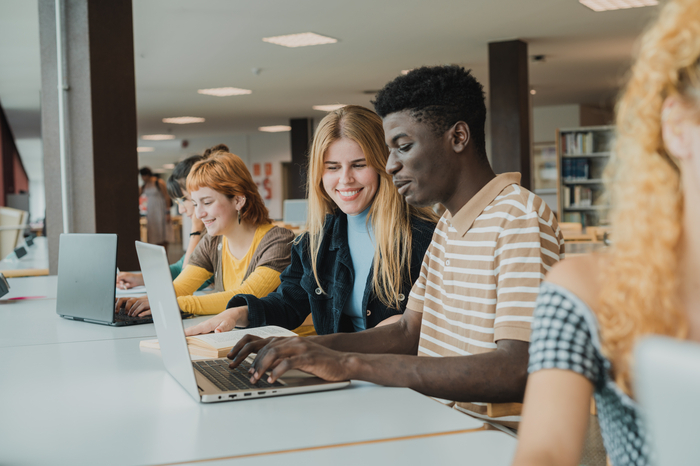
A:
[299,294]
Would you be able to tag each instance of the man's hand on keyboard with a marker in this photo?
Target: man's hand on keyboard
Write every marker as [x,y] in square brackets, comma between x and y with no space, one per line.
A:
[283,354]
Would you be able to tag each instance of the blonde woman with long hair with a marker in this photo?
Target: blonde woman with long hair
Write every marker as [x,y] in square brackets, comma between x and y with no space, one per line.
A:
[354,267]
[592,310]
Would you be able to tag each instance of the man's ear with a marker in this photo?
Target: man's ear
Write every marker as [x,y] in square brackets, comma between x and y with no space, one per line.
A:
[675,125]
[459,136]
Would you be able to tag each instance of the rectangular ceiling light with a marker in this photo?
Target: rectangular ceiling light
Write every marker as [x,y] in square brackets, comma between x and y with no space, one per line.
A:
[606,5]
[157,137]
[300,40]
[224,91]
[145,149]
[275,129]
[183,120]
[169,166]
[328,108]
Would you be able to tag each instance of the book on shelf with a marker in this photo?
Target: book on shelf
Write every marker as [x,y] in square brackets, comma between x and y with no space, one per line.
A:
[581,196]
[217,345]
[575,169]
[578,143]
[586,142]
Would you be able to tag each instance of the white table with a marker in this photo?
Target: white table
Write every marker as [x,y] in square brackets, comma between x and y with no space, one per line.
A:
[35,322]
[107,402]
[79,393]
[473,448]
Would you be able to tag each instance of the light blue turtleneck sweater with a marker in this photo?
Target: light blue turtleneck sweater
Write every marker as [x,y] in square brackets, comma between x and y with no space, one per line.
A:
[361,243]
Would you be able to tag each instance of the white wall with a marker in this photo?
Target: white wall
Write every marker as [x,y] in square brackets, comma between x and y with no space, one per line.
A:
[252,148]
[546,120]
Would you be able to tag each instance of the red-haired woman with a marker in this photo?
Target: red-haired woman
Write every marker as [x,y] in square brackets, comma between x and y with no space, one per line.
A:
[243,251]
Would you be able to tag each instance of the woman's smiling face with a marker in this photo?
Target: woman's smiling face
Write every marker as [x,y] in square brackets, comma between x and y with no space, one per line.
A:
[347,178]
[215,210]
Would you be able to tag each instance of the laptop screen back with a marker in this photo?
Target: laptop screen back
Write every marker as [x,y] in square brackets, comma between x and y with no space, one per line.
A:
[667,382]
[166,315]
[87,273]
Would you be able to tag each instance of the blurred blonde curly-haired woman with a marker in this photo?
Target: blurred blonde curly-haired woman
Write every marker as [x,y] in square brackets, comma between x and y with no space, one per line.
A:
[592,310]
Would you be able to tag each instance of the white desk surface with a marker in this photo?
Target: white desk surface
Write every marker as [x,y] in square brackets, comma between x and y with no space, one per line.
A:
[474,448]
[35,322]
[106,402]
[32,286]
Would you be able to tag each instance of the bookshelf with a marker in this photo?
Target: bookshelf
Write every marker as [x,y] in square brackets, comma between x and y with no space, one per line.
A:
[582,154]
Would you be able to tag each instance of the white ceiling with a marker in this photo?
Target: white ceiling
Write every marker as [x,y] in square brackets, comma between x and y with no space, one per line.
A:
[184,45]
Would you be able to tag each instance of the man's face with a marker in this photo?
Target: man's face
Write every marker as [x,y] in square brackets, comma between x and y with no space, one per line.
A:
[417,159]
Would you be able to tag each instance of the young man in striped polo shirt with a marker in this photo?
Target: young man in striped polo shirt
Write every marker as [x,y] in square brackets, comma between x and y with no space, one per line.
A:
[480,276]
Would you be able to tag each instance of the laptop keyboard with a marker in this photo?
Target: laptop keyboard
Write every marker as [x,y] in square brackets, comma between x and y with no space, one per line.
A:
[122,316]
[218,373]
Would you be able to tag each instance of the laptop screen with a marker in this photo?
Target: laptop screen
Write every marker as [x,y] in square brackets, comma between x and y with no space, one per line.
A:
[87,273]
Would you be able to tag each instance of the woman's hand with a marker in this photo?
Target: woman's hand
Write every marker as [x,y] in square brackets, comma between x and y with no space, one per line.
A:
[134,306]
[197,225]
[126,280]
[223,322]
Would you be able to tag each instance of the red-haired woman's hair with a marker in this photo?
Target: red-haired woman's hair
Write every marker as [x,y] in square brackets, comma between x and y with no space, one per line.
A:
[227,174]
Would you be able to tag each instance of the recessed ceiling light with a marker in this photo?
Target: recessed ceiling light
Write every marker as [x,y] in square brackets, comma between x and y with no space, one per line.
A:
[533,92]
[328,108]
[184,120]
[275,129]
[406,71]
[300,40]
[606,5]
[169,166]
[145,149]
[158,170]
[224,91]
[157,137]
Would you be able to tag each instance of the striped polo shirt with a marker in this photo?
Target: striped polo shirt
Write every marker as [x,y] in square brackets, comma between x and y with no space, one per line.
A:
[482,271]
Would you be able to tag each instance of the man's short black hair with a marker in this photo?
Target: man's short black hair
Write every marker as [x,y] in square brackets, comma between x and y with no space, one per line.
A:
[441,96]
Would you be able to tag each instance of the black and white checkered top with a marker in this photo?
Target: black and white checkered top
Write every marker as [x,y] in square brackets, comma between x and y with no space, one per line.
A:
[565,336]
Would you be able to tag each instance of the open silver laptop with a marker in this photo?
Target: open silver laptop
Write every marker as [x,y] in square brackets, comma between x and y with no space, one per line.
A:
[208,380]
[667,382]
[87,278]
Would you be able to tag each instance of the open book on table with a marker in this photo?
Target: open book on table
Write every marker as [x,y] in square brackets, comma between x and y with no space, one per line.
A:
[217,345]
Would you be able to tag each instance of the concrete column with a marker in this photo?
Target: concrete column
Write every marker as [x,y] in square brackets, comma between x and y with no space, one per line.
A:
[509,96]
[100,123]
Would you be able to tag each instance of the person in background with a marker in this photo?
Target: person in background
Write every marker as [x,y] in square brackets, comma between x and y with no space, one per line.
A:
[465,333]
[243,251]
[362,251]
[593,309]
[157,207]
[176,186]
[177,190]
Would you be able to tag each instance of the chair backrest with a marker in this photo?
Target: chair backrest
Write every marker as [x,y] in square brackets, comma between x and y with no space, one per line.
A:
[11,238]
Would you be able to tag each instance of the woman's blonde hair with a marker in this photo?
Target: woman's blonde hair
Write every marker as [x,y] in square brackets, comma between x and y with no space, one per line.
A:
[390,215]
[226,173]
[640,294]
